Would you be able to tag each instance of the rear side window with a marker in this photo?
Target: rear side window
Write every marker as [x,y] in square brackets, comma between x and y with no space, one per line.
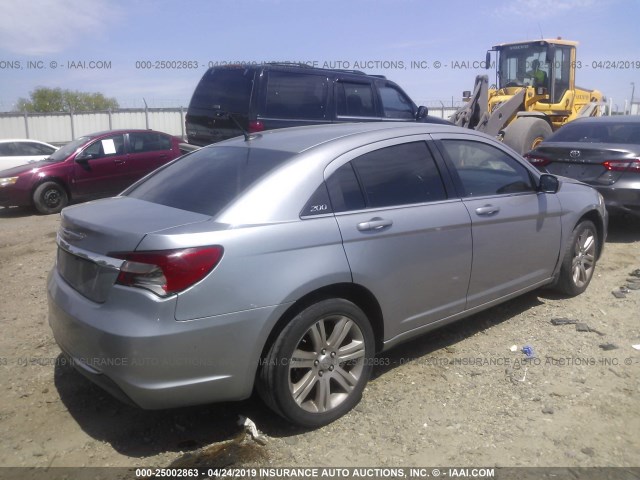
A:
[8,149]
[354,99]
[397,175]
[140,142]
[295,95]
[28,148]
[224,89]
[209,179]
[486,170]
[344,190]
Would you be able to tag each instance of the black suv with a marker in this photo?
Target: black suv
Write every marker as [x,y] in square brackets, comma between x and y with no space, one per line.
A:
[268,96]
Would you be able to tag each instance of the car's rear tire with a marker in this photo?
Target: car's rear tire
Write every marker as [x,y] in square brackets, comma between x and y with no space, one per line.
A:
[579,261]
[318,366]
[50,197]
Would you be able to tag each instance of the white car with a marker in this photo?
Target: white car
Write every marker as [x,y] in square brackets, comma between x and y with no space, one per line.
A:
[14,153]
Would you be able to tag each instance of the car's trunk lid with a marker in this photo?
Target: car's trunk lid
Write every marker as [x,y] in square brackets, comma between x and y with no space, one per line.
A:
[584,162]
[90,234]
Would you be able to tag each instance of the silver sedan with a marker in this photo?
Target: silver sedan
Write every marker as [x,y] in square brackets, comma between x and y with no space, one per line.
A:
[284,262]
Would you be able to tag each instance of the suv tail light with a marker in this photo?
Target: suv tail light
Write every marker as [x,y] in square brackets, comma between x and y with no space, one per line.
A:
[631,165]
[537,161]
[256,126]
[166,272]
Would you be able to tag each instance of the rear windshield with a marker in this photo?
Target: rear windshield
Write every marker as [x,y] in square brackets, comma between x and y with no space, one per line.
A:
[224,89]
[209,179]
[595,132]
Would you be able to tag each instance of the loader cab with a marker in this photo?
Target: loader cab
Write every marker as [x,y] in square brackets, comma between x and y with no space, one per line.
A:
[545,65]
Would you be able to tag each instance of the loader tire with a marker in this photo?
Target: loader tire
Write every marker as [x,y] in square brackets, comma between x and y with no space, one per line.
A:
[525,133]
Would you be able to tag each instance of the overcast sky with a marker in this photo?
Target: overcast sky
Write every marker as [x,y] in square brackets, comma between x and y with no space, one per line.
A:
[115,46]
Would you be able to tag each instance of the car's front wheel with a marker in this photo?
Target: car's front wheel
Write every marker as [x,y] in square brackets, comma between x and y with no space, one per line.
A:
[50,197]
[579,260]
[318,366]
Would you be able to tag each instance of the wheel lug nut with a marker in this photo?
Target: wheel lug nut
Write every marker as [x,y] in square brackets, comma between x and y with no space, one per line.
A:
[316,363]
[331,368]
[320,373]
[323,351]
[333,354]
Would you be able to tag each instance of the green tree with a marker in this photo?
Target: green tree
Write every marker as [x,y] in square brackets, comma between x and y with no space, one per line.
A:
[44,99]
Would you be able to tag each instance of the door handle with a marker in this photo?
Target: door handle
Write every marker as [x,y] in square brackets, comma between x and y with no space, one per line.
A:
[118,161]
[487,210]
[374,224]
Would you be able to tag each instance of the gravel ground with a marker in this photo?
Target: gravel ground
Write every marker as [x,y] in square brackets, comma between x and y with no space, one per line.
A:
[456,397]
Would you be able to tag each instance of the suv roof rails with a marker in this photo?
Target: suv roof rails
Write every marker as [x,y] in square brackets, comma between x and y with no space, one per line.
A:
[288,64]
[305,65]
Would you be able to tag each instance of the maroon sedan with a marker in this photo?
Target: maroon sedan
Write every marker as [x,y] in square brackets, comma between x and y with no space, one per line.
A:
[93,166]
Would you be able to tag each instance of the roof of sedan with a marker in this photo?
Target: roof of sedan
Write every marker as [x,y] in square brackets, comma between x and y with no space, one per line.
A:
[120,130]
[609,119]
[5,140]
[299,139]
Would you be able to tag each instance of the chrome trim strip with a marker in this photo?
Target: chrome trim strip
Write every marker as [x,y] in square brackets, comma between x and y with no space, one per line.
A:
[102,260]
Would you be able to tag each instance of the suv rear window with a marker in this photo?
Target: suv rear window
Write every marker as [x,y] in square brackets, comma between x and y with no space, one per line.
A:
[224,89]
[209,179]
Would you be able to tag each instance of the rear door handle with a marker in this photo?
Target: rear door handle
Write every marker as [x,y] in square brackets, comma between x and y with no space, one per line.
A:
[374,224]
[118,161]
[487,210]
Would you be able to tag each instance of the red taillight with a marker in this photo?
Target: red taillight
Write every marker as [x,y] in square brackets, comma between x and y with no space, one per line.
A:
[166,272]
[256,126]
[631,165]
[536,160]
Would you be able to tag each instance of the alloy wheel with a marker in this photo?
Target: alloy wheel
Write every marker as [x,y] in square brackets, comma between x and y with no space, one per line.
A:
[327,364]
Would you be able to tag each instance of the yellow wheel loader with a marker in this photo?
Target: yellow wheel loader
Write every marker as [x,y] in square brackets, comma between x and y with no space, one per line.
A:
[535,94]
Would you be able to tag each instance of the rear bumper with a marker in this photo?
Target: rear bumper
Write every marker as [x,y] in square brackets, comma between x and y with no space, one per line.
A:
[145,357]
[621,200]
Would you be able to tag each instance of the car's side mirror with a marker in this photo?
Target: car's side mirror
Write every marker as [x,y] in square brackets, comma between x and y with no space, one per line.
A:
[85,156]
[422,112]
[548,183]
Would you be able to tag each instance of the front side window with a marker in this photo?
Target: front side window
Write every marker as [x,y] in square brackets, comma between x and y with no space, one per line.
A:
[294,95]
[354,100]
[562,70]
[395,103]
[105,147]
[398,175]
[486,170]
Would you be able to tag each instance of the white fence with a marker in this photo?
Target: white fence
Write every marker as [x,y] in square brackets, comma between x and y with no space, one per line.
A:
[60,128]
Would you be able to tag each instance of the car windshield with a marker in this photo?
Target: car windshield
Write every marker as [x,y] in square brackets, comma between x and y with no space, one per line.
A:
[208,180]
[63,152]
[598,132]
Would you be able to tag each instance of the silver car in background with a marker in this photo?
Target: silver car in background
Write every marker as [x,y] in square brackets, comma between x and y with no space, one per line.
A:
[285,261]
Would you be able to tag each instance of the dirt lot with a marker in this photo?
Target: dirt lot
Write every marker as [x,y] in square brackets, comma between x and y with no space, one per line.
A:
[457,397]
